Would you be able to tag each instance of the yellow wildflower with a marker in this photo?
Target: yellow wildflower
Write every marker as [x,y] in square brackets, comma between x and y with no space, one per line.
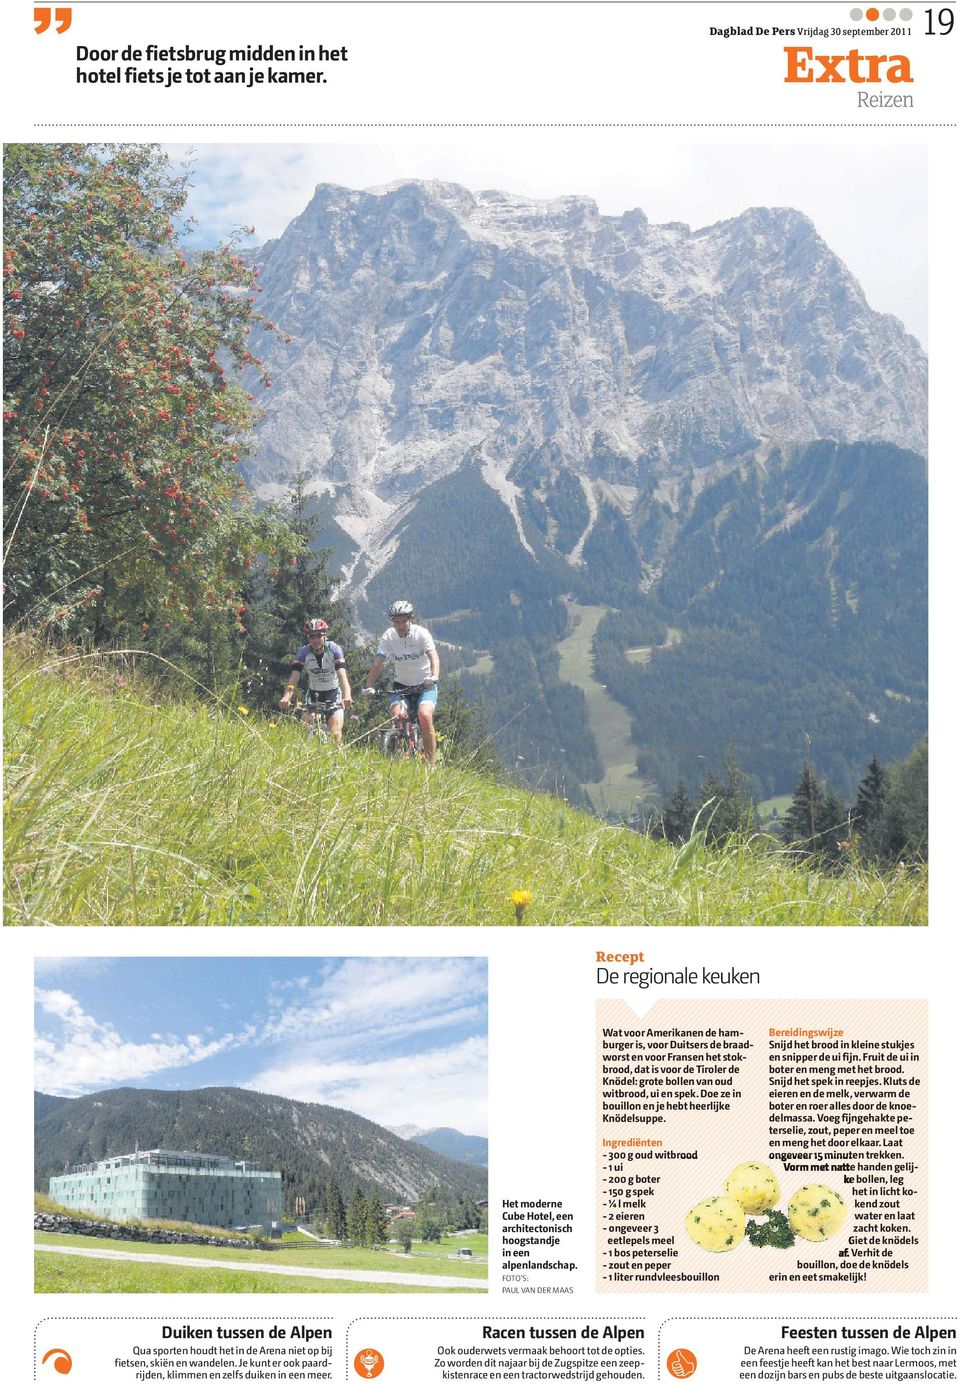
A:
[520,899]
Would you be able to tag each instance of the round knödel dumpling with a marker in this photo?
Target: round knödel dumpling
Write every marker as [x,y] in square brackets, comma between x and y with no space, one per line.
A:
[754,1186]
[816,1212]
[717,1223]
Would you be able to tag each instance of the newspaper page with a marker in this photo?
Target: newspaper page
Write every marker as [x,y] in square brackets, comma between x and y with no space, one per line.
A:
[466,686]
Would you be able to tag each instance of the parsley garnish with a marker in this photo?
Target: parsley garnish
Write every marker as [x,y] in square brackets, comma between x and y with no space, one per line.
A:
[775,1231]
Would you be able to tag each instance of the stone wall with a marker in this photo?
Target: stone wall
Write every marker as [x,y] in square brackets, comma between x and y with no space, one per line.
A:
[80,1226]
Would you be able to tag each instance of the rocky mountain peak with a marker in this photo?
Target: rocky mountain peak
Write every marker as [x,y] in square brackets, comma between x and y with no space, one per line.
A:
[431,323]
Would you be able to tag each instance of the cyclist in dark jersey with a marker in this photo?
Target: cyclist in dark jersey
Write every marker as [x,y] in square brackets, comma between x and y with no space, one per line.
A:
[328,687]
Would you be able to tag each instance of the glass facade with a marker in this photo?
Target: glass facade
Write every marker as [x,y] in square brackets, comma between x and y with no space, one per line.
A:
[173,1185]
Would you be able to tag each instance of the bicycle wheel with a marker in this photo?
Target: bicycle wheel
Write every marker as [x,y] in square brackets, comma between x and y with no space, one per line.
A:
[389,743]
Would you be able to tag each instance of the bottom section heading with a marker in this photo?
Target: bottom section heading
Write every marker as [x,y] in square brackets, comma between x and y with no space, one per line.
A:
[417,1351]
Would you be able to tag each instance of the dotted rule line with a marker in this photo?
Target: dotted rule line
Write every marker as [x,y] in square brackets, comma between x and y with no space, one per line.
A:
[496,125]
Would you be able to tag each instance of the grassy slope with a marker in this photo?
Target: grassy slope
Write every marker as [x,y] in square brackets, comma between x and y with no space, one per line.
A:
[621,785]
[124,812]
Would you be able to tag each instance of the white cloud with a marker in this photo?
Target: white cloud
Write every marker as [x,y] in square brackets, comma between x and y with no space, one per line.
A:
[396,1039]
[91,1055]
[45,968]
[442,1086]
[368,1003]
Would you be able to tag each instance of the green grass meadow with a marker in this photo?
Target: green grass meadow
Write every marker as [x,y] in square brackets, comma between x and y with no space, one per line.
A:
[425,1258]
[67,1274]
[771,806]
[123,808]
[73,1274]
[621,787]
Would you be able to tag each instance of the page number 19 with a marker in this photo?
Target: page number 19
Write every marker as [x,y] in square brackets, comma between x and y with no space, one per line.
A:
[943,22]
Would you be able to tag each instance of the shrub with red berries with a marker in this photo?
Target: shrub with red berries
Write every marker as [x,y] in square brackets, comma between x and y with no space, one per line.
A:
[126,414]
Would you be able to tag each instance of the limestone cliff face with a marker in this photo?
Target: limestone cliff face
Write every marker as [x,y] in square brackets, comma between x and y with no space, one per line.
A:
[430,324]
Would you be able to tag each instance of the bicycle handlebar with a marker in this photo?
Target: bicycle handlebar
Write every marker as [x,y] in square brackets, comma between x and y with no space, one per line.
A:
[401,692]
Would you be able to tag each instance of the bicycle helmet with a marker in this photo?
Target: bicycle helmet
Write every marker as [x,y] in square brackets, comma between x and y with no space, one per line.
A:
[316,627]
[401,608]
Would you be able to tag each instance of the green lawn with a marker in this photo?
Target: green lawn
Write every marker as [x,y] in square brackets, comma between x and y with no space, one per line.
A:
[426,1259]
[67,1274]
[120,811]
[477,1241]
[482,664]
[644,653]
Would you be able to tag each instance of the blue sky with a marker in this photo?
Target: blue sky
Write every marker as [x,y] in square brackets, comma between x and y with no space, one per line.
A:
[868,201]
[399,1040]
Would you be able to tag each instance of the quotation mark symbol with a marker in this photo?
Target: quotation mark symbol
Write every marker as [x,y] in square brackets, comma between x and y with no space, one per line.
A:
[62,1360]
[43,16]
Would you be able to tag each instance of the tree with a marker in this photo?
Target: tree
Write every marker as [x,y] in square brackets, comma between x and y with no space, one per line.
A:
[836,837]
[868,810]
[428,1228]
[375,1222]
[282,594]
[125,412]
[463,731]
[802,820]
[816,825]
[357,1216]
[678,814]
[904,826]
[401,1230]
[336,1212]
[727,809]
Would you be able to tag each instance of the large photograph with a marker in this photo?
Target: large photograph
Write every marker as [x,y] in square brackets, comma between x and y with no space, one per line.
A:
[261,1125]
[527,532]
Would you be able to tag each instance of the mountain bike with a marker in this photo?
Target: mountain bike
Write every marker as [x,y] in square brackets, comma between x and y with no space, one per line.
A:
[402,737]
[317,724]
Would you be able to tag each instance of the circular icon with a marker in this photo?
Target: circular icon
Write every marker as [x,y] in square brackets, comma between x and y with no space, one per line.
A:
[889,14]
[368,1363]
[873,14]
[62,1360]
[681,1364]
[856,14]
[906,14]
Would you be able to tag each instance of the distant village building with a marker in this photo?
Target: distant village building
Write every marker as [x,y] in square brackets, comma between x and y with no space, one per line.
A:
[173,1185]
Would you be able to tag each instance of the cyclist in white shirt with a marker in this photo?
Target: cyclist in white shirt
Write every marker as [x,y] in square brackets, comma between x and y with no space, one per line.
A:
[416,672]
